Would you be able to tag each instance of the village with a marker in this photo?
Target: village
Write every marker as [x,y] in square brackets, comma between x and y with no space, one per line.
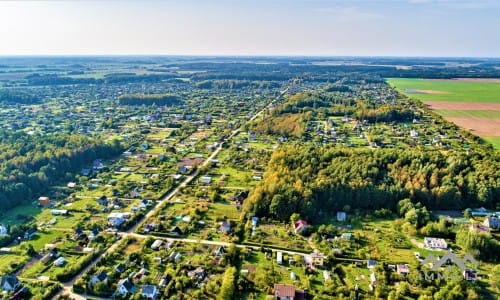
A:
[165,217]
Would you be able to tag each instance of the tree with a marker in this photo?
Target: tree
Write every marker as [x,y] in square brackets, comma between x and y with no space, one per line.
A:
[228,284]
[30,251]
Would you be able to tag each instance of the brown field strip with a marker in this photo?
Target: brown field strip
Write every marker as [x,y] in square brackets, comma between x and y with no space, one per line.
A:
[479,126]
[452,105]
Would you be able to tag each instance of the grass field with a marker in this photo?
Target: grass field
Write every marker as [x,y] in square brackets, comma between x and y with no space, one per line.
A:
[448,90]
[473,105]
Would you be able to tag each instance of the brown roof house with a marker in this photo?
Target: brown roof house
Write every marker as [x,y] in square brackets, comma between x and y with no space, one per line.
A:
[287,292]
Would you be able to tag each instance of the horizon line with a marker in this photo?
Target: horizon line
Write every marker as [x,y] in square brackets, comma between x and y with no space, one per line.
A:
[238,55]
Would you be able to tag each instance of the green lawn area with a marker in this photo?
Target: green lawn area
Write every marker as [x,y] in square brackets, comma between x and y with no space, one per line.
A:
[485,114]
[448,90]
[494,140]
[10,217]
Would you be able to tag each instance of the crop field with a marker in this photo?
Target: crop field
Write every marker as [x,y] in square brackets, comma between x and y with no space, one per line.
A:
[471,104]
[448,90]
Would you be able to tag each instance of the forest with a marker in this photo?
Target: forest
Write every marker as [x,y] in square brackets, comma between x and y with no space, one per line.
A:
[31,164]
[314,180]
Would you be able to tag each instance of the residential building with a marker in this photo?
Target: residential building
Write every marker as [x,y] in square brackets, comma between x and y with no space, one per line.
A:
[435,243]
[287,292]
[10,283]
[149,291]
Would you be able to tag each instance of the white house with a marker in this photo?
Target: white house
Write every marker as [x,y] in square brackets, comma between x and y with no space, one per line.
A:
[117,218]
[156,244]
[279,258]
[60,261]
[125,286]
[206,180]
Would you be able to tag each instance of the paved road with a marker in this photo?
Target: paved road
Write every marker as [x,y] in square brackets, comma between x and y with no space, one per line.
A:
[67,287]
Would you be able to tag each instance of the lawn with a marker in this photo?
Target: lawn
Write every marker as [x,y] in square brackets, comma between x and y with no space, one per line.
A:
[494,140]
[10,217]
[448,90]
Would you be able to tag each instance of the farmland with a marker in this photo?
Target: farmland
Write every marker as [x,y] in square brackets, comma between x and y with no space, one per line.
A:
[471,104]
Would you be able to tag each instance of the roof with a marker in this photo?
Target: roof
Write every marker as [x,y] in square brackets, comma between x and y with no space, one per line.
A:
[102,275]
[11,279]
[284,290]
[126,283]
[149,289]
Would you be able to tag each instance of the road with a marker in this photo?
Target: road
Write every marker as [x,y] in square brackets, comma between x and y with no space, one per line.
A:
[67,287]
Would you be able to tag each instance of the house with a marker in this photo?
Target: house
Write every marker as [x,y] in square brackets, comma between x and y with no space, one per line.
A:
[3,230]
[60,262]
[71,185]
[300,226]
[255,220]
[279,258]
[373,278]
[43,201]
[326,275]
[435,243]
[225,227]
[341,216]
[371,263]
[125,286]
[10,283]
[176,231]
[470,274]
[103,200]
[317,259]
[287,292]
[165,280]
[219,252]
[346,236]
[206,179]
[479,228]
[28,234]
[117,218]
[85,172]
[156,244]
[492,222]
[120,268]
[197,274]
[403,269]
[21,294]
[101,276]
[59,212]
[149,291]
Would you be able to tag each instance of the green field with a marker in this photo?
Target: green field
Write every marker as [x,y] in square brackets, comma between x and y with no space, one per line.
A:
[493,140]
[450,90]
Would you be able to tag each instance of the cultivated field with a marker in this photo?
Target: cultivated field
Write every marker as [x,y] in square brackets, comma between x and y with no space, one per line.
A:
[470,103]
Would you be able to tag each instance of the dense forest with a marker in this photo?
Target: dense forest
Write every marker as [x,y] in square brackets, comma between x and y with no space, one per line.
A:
[314,180]
[29,165]
[12,96]
[137,99]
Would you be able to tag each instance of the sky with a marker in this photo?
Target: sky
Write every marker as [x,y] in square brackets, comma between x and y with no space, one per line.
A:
[463,28]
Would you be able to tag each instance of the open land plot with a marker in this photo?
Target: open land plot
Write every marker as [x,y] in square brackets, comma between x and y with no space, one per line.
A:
[471,104]
[448,90]
[480,126]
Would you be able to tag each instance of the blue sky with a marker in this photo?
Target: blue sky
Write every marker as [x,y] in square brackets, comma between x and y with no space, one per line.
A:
[253,27]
